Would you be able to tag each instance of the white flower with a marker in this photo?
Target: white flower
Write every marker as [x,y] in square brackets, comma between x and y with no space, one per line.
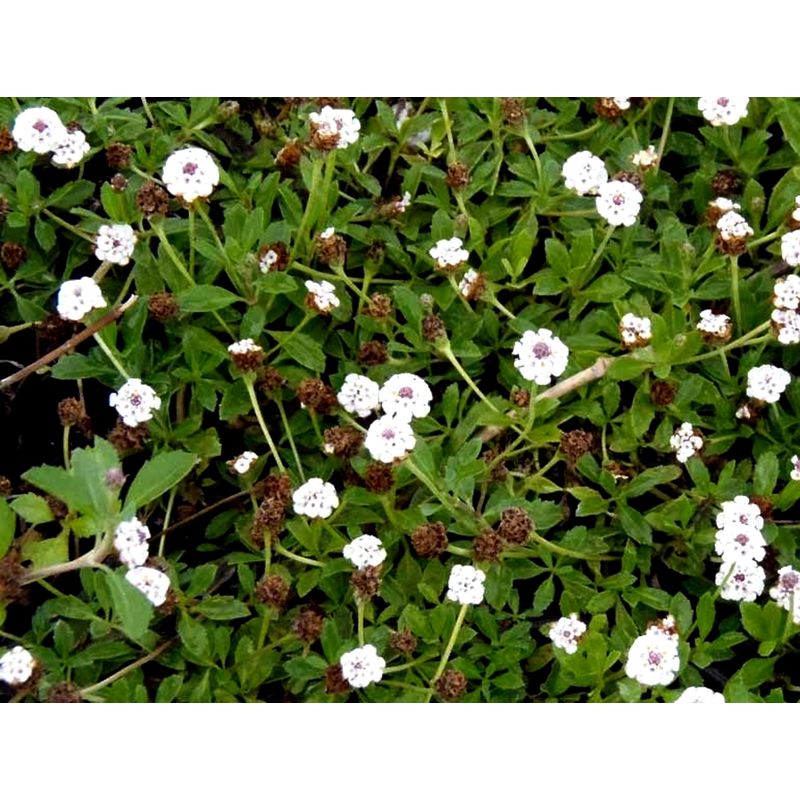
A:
[315,498]
[685,442]
[732,225]
[744,412]
[795,473]
[152,583]
[131,539]
[467,283]
[723,110]
[244,347]
[268,261]
[622,103]
[362,666]
[359,395]
[322,295]
[787,325]
[190,173]
[465,585]
[135,402]
[653,659]
[740,511]
[115,243]
[77,298]
[790,248]
[403,203]
[740,580]
[69,152]
[645,158]
[449,253]
[700,694]
[566,633]
[406,396]
[365,551]
[39,129]
[635,330]
[402,110]
[767,383]
[540,356]
[16,666]
[724,205]
[717,325]
[786,593]
[337,124]
[327,233]
[619,202]
[786,292]
[389,438]
[584,173]
[740,543]
[244,462]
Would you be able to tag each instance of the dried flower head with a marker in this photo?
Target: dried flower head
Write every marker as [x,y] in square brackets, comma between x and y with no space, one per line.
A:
[726,183]
[366,583]
[272,590]
[372,353]
[118,155]
[451,685]
[515,525]
[488,546]
[152,199]
[342,441]
[429,540]
[246,355]
[163,306]
[472,285]
[457,175]
[308,625]
[13,255]
[379,478]
[316,395]
[273,257]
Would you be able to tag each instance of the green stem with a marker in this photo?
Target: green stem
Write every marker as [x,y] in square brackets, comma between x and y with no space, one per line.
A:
[71,228]
[111,357]
[201,210]
[65,445]
[764,239]
[459,551]
[664,133]
[563,137]
[448,649]
[288,429]
[563,551]
[129,668]
[248,382]
[534,154]
[589,271]
[360,611]
[281,550]
[747,338]
[125,288]
[737,305]
[191,240]
[447,352]
[165,524]
[316,176]
[147,112]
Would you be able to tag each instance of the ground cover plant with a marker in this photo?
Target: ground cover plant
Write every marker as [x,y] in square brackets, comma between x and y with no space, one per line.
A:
[389,400]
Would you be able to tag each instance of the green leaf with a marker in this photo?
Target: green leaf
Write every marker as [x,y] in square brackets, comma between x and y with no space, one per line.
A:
[634,524]
[8,524]
[193,635]
[27,190]
[302,349]
[544,597]
[70,195]
[206,298]
[157,477]
[168,688]
[278,283]
[649,478]
[765,624]
[766,473]
[132,608]
[755,672]
[705,615]
[33,508]
[409,303]
[222,608]
[45,234]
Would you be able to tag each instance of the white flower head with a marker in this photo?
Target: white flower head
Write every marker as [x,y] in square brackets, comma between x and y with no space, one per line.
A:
[135,402]
[406,396]
[465,585]
[635,331]
[786,592]
[622,103]
[740,580]
[767,383]
[190,173]
[245,347]
[77,298]
[403,203]
[362,666]
[389,438]
[685,442]
[786,292]
[449,253]
[645,158]
[653,659]
[334,127]
[732,225]
[322,296]
[716,326]
[790,248]
[70,150]
[740,543]
[723,110]
[567,632]
[244,462]
[786,325]
[152,583]
[365,551]
[619,202]
[315,498]
[740,511]
[131,538]
[39,129]
[584,173]
[16,666]
[327,233]
[359,395]
[268,261]
[700,694]
[795,473]
[471,286]
[115,243]
[723,205]
[540,356]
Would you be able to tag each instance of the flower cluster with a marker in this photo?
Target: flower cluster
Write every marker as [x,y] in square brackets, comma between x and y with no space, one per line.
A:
[40,130]
[241,464]
[714,328]
[700,694]
[795,473]
[449,254]
[635,331]
[76,298]
[359,395]
[362,666]
[115,243]
[785,316]
[584,173]
[131,539]
[567,632]
[686,442]
[653,659]
[190,174]
[767,383]
[723,110]
[465,585]
[645,159]
[16,666]
[365,551]
[152,583]
[740,542]
[540,356]
[334,128]
[135,402]
[733,231]
[322,296]
[786,593]
[315,498]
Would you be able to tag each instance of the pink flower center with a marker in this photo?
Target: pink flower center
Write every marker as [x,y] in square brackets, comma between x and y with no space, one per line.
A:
[541,350]
[189,169]
[742,539]
[723,101]
[790,580]
[617,199]
[739,577]
[116,243]
[388,434]
[40,126]
[136,400]
[654,658]
[407,393]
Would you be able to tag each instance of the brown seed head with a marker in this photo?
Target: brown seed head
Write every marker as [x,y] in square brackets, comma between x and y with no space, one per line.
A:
[288,156]
[278,262]
[71,411]
[662,393]
[372,353]
[433,328]
[457,175]
[308,625]
[451,685]
[55,330]
[376,252]
[249,360]
[163,306]
[765,506]
[316,395]
[118,182]
[726,183]
[475,289]
[634,178]
[606,108]
[366,582]
[64,692]
[379,478]
[379,306]
[575,443]
[735,246]
[335,682]
[403,641]
[515,525]
[118,155]
[5,486]
[342,441]
[272,591]
[152,199]
[488,546]
[11,575]
[13,255]
[430,540]
[7,143]
[514,111]
[4,209]
[521,397]
[128,440]
[271,380]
